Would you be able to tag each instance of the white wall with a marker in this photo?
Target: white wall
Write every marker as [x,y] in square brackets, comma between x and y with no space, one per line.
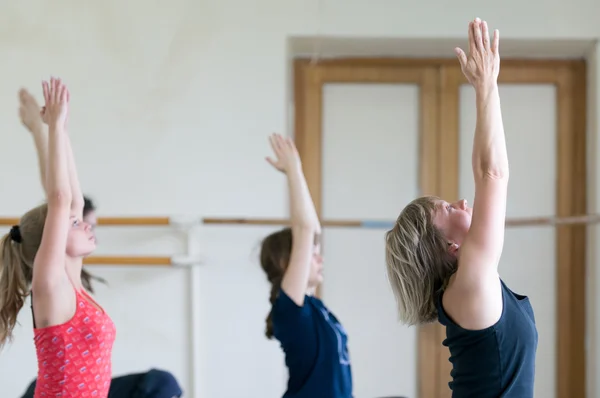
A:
[172,103]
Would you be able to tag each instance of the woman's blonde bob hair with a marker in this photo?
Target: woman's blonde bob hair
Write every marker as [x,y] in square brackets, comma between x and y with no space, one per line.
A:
[418,262]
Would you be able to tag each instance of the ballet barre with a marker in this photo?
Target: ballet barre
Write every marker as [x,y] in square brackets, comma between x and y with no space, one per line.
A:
[117,221]
[381,224]
[145,261]
[159,261]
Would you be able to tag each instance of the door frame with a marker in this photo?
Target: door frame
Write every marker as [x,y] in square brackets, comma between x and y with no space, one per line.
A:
[440,81]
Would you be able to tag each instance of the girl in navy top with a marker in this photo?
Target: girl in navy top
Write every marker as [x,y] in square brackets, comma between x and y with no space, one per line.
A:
[442,258]
[313,340]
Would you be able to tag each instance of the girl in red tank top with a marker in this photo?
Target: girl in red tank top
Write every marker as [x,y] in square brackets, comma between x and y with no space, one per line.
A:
[74,359]
[43,255]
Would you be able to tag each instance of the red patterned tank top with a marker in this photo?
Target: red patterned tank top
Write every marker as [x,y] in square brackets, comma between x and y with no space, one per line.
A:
[74,359]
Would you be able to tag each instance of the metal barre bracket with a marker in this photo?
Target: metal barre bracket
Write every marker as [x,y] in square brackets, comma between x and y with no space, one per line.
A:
[184,261]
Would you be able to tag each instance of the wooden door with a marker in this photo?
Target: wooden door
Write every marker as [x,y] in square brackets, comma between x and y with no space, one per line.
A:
[376,133]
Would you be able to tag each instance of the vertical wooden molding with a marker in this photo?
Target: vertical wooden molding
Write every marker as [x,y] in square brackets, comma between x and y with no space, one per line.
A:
[428,335]
[308,130]
[571,240]
[451,79]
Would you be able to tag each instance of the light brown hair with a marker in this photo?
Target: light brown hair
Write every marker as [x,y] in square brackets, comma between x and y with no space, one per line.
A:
[418,262]
[274,258]
[17,252]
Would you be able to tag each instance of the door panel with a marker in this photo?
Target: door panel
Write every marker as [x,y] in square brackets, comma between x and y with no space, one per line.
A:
[370,141]
[528,263]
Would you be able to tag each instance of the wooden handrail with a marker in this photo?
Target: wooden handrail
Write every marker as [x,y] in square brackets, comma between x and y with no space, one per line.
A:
[110,221]
[128,260]
[380,224]
[371,224]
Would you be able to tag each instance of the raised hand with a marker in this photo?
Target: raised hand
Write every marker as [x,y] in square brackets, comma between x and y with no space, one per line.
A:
[482,66]
[56,96]
[287,158]
[29,111]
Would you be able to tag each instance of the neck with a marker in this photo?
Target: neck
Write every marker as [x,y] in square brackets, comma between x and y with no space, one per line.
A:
[74,266]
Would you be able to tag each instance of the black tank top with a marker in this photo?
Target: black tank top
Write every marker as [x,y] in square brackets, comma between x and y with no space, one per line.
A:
[497,362]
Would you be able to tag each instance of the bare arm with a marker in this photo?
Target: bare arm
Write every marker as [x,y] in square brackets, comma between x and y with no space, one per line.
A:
[483,246]
[303,217]
[49,264]
[480,253]
[474,298]
[304,228]
[34,121]
[40,139]
[77,201]
[29,112]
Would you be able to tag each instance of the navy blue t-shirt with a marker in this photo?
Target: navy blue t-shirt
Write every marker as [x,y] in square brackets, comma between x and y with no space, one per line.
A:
[316,349]
[496,362]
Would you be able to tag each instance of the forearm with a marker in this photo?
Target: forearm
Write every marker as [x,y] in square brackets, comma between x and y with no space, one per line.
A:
[490,159]
[40,138]
[57,179]
[302,209]
[77,195]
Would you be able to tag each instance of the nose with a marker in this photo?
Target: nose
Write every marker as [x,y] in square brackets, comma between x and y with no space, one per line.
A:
[87,227]
[462,204]
[318,258]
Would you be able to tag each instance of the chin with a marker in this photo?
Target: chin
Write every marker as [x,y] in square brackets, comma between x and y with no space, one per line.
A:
[83,251]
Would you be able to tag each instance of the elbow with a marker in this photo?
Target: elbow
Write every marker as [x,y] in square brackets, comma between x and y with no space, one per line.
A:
[77,205]
[304,228]
[59,198]
[494,174]
[492,171]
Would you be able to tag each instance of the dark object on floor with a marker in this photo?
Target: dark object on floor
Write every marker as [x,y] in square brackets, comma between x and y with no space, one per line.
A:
[153,384]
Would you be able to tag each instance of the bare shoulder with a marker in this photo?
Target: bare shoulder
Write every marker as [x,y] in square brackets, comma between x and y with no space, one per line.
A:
[473,306]
[54,305]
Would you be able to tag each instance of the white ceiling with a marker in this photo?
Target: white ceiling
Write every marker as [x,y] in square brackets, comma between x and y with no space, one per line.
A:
[334,47]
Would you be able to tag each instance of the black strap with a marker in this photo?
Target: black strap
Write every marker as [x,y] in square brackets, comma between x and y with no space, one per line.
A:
[32,316]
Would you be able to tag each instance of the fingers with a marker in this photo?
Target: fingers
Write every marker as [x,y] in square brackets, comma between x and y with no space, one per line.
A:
[290,144]
[274,143]
[63,93]
[462,57]
[271,161]
[472,45]
[496,41]
[477,34]
[486,35]
[46,90]
[54,90]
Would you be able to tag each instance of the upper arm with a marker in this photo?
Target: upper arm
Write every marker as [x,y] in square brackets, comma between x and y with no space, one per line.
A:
[294,326]
[480,252]
[49,263]
[295,279]
[77,206]
[474,299]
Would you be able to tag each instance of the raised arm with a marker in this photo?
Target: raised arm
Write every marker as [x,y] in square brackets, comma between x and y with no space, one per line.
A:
[305,224]
[49,264]
[77,202]
[29,112]
[481,251]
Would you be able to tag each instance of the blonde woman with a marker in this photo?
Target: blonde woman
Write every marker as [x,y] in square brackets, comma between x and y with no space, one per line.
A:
[442,258]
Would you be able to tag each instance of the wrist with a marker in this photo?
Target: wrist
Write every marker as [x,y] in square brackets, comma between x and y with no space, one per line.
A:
[56,126]
[37,129]
[484,89]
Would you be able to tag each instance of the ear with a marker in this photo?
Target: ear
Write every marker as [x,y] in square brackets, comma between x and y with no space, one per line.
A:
[452,248]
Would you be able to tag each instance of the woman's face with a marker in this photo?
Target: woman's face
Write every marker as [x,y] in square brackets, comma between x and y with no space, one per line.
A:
[91,219]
